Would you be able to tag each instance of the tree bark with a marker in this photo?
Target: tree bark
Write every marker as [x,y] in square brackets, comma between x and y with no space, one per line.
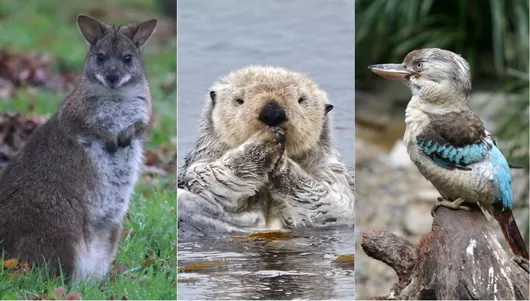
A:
[460,259]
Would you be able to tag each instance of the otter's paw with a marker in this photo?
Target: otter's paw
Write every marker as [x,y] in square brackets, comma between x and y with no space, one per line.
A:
[273,146]
[281,167]
[126,136]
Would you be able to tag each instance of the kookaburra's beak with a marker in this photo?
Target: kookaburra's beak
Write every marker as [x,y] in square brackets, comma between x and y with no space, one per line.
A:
[392,71]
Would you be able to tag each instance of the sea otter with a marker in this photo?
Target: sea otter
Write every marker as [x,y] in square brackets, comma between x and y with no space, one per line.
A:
[264,158]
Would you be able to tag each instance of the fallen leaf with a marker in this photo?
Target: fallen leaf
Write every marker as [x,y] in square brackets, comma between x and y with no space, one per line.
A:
[73,296]
[151,158]
[125,233]
[116,269]
[268,236]
[59,292]
[16,266]
[148,262]
[345,258]
[15,130]
[10,263]
[188,280]
[346,261]
[201,266]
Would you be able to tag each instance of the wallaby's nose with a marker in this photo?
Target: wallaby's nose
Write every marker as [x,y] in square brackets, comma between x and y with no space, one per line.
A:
[272,114]
[112,78]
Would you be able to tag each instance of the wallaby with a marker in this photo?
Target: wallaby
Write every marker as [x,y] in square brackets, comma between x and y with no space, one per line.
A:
[64,197]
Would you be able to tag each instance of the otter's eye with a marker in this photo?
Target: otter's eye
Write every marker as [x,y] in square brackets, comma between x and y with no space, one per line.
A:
[100,57]
[419,65]
[240,101]
[301,100]
[127,59]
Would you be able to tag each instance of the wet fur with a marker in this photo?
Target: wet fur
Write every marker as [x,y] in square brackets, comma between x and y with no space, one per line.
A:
[238,178]
[64,197]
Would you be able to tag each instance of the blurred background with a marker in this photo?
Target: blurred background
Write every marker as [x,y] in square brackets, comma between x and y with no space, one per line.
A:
[391,194]
[41,56]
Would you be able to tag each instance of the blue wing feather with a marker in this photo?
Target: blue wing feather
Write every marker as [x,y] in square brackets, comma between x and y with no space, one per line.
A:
[448,156]
[502,177]
[443,163]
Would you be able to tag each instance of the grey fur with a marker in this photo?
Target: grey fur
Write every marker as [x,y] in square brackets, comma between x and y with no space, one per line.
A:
[240,189]
[64,197]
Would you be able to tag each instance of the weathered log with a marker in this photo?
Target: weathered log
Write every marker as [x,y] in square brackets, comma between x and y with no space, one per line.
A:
[460,259]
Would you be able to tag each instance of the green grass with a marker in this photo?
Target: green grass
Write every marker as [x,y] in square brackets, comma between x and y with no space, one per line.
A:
[152,226]
[45,27]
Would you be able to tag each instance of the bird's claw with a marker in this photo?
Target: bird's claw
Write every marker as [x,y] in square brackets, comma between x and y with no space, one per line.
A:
[456,205]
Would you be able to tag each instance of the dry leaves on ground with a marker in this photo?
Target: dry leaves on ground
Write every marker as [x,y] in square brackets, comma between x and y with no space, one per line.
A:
[18,70]
[57,294]
[15,130]
[16,267]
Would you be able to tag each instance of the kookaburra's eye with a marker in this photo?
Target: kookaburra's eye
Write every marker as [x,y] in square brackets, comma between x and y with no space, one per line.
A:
[419,65]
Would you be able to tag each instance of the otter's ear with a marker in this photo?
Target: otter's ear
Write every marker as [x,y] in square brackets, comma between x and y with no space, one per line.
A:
[328,108]
[213,96]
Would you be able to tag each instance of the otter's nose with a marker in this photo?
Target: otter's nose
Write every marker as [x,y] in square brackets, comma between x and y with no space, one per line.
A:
[272,114]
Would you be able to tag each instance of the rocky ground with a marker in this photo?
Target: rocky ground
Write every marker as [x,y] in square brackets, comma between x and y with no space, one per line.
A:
[390,192]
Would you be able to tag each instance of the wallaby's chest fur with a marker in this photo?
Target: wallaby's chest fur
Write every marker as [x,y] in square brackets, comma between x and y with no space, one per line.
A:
[63,199]
[117,172]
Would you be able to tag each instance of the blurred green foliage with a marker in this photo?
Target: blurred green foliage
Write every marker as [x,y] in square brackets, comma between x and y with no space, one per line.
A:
[492,35]
[513,120]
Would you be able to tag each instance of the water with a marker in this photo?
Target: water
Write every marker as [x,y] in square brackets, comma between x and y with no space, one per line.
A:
[300,267]
[309,36]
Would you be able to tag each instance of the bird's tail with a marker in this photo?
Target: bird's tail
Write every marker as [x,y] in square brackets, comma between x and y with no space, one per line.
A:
[511,231]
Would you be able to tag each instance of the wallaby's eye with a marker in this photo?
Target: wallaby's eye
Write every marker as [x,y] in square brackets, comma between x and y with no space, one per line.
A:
[100,57]
[127,59]
[240,101]
[301,99]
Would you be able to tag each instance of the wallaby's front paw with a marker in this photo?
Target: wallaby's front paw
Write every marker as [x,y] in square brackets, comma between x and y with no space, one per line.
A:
[139,128]
[126,136]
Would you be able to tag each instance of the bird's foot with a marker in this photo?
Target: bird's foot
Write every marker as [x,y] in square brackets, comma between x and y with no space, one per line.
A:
[456,204]
[522,262]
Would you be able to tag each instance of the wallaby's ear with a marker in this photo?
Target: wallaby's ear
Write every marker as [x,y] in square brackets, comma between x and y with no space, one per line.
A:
[91,28]
[140,33]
